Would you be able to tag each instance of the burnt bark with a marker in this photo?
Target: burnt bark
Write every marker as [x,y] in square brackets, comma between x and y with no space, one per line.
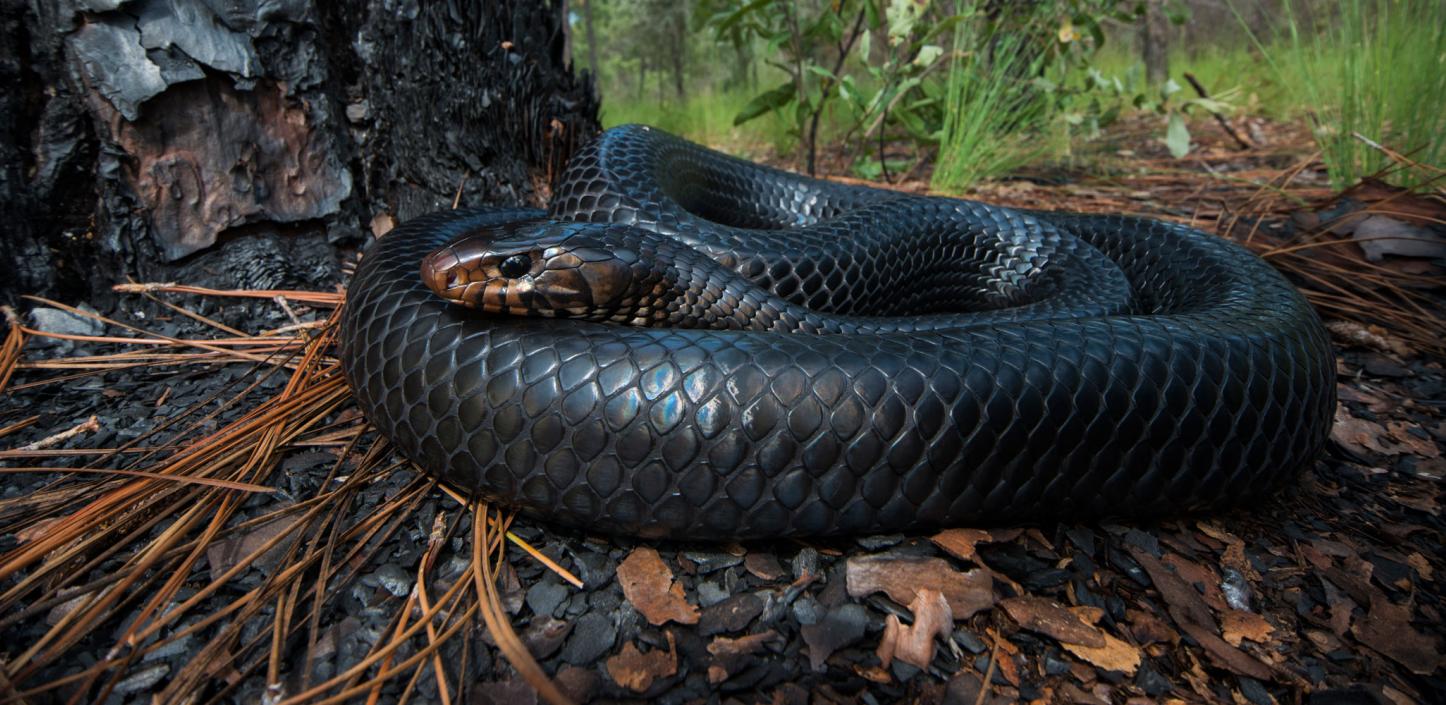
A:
[254,144]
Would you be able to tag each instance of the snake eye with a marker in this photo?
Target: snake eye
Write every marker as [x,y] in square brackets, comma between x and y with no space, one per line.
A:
[515,266]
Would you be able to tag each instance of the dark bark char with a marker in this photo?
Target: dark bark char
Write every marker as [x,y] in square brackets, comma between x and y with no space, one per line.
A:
[238,143]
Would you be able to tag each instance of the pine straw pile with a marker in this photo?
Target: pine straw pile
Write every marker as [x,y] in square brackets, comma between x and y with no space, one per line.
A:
[161,528]
[219,524]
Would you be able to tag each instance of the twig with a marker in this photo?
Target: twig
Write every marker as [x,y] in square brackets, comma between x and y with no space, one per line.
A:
[988,673]
[1224,121]
[90,425]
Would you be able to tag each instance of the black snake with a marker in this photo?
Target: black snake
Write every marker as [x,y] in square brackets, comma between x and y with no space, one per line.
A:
[724,350]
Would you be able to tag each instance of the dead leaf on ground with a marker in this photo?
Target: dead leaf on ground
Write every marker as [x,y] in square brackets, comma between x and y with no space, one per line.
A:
[730,655]
[1183,602]
[914,644]
[636,671]
[1238,625]
[1148,629]
[649,585]
[1363,437]
[1225,655]
[1115,655]
[901,578]
[1387,629]
[764,566]
[1405,434]
[750,644]
[1047,617]
[960,543]
[224,555]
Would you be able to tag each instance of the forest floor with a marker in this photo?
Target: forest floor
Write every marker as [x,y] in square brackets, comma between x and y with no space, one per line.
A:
[228,529]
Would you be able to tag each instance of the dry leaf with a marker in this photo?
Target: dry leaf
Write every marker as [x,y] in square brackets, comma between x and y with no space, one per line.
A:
[1387,629]
[734,654]
[1115,655]
[901,578]
[1047,617]
[764,566]
[914,644]
[1237,625]
[743,645]
[960,543]
[636,671]
[1363,437]
[1184,603]
[648,584]
[1225,655]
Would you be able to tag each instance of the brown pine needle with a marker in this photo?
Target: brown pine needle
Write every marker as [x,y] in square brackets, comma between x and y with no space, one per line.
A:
[207,481]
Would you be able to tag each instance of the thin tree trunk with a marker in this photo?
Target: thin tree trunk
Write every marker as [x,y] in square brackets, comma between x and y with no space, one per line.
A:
[1154,42]
[591,40]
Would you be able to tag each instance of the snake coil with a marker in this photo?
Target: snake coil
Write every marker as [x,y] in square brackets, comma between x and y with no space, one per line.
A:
[1114,367]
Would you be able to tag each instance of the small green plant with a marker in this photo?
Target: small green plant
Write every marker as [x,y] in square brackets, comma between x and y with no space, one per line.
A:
[995,109]
[1376,69]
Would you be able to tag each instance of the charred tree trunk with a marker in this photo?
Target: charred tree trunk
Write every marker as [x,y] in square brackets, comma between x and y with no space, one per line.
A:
[243,143]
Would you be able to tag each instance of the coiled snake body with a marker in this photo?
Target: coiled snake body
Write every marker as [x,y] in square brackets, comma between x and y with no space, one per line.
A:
[717,349]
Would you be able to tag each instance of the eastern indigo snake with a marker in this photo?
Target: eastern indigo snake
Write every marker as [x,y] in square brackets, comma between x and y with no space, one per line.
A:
[694,346]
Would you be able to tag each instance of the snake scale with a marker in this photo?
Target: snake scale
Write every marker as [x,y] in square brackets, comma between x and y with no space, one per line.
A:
[690,345]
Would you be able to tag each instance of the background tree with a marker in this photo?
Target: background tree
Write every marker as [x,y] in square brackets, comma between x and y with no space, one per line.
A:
[239,143]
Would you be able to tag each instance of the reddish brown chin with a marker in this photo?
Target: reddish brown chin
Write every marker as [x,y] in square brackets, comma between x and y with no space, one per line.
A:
[442,273]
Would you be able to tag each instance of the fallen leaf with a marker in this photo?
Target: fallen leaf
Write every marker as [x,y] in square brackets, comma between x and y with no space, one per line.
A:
[1418,561]
[1363,437]
[902,577]
[1225,655]
[1405,434]
[1148,629]
[764,566]
[730,655]
[1047,617]
[1115,655]
[1237,625]
[222,556]
[1380,235]
[649,585]
[914,644]
[744,645]
[1387,629]
[1182,601]
[960,543]
[1200,577]
[636,671]
[1374,337]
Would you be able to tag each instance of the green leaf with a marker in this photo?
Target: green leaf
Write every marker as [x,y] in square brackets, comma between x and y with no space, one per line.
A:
[765,103]
[1170,88]
[928,54]
[1177,136]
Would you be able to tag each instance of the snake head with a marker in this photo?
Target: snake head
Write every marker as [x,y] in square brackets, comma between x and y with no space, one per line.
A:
[554,270]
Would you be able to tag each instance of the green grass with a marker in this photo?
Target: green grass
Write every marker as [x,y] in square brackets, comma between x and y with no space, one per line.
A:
[994,121]
[1378,70]
[705,117]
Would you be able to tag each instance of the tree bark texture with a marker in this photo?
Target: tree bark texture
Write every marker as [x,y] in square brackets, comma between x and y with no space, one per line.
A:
[240,142]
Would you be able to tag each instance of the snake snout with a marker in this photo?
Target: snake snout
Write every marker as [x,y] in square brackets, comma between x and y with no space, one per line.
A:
[440,272]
